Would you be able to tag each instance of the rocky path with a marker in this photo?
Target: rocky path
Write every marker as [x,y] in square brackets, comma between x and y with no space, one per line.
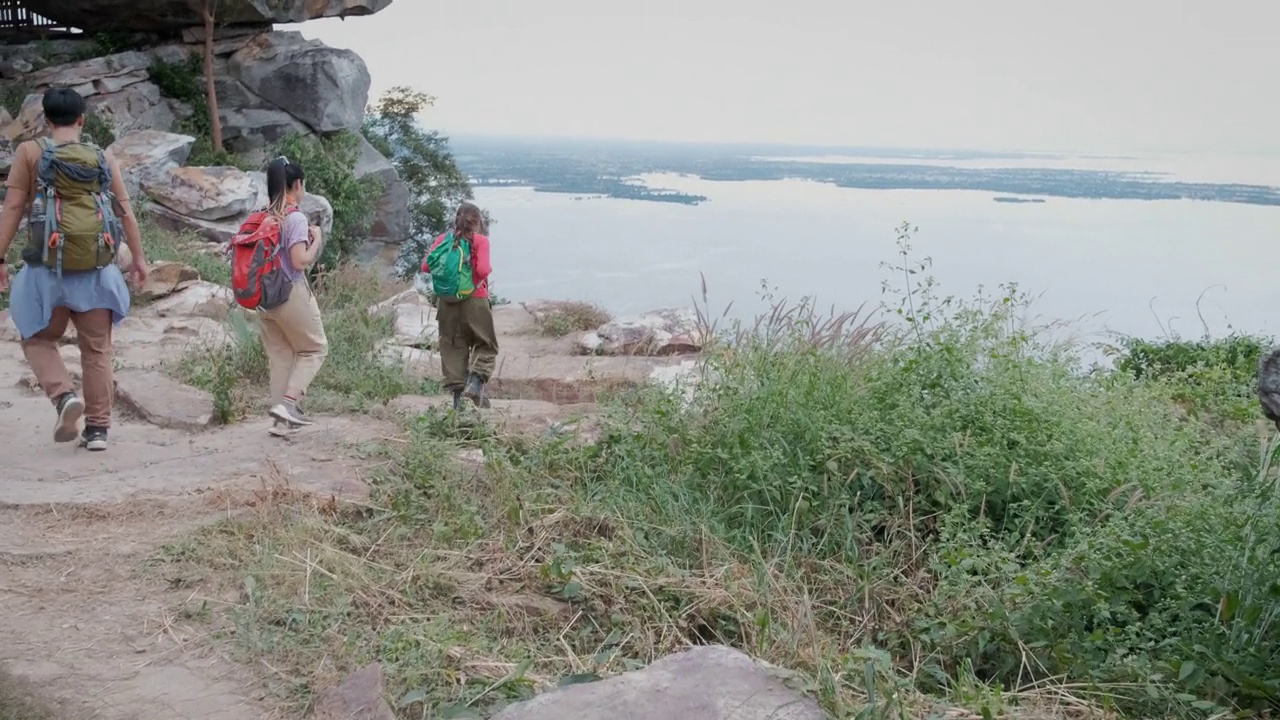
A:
[88,617]
[86,622]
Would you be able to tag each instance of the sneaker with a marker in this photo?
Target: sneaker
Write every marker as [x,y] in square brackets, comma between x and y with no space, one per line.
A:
[95,439]
[70,410]
[287,412]
[283,429]
[474,389]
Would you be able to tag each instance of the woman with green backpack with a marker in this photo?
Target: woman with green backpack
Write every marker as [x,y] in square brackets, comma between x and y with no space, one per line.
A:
[458,262]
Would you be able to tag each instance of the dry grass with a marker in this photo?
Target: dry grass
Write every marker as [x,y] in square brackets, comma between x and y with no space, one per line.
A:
[476,588]
[570,316]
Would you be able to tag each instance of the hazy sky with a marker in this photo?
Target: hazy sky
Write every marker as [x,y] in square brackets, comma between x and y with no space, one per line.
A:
[1073,75]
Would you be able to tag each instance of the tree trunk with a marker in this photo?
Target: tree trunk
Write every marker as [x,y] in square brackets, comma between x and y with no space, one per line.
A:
[215,124]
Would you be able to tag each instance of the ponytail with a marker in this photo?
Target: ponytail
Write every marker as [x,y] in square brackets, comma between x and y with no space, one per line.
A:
[468,221]
[282,176]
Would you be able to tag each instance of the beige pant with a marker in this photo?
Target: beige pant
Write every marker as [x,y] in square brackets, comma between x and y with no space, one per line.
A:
[293,336]
[93,333]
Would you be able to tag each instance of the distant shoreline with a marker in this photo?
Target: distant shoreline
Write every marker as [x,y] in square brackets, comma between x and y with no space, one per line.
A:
[613,171]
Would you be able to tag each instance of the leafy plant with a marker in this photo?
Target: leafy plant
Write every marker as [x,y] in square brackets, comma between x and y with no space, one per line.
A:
[330,164]
[425,164]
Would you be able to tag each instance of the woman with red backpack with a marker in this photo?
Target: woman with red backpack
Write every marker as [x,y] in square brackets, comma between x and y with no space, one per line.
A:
[292,332]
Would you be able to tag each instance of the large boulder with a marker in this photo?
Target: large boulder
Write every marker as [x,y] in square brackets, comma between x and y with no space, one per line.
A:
[212,202]
[249,123]
[29,124]
[172,15]
[325,88]
[391,222]
[660,332]
[149,155]
[204,193]
[99,75]
[116,87]
[707,683]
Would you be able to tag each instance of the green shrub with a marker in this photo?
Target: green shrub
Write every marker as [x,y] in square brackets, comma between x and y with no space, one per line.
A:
[330,167]
[1214,376]
[1006,517]
[184,81]
[571,316]
[351,380]
[423,160]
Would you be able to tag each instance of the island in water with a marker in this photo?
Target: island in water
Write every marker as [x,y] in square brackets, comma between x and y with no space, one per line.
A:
[617,169]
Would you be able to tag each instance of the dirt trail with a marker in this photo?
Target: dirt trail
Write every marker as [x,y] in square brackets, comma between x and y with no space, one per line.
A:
[86,622]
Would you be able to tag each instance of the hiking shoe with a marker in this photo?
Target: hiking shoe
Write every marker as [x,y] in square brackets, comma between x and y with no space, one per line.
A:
[70,410]
[287,412]
[283,429]
[95,439]
[457,400]
[474,389]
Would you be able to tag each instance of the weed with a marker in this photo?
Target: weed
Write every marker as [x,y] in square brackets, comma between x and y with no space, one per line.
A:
[352,380]
[932,514]
[563,318]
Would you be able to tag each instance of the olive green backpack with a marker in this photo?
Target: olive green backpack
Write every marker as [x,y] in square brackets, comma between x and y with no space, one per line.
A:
[73,224]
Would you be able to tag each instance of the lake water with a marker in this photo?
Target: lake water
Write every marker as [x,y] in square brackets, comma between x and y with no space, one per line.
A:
[1120,266]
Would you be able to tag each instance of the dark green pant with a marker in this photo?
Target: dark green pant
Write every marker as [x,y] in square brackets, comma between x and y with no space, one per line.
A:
[468,342]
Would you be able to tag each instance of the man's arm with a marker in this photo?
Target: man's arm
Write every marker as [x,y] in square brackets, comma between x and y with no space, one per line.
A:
[132,234]
[15,202]
[17,189]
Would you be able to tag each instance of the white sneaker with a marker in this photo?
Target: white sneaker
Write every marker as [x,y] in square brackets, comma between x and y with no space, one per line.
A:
[287,412]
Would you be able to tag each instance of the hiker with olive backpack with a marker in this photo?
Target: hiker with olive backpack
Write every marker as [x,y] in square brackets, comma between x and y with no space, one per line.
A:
[79,212]
[458,262]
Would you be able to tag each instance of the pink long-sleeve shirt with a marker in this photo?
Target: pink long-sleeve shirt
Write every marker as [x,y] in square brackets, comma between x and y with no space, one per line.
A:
[480,267]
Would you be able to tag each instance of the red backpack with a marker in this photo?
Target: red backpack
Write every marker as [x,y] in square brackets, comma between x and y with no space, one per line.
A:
[257,275]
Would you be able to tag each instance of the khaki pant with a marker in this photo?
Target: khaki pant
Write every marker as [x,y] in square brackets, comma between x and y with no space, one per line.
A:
[468,342]
[93,334]
[293,336]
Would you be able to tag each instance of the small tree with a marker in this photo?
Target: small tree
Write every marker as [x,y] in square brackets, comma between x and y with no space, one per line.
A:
[423,159]
[210,90]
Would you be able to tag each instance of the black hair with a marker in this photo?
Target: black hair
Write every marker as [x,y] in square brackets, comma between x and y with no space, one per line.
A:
[63,107]
[282,175]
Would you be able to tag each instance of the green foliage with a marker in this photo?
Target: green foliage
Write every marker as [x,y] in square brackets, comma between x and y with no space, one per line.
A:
[425,164]
[12,95]
[184,81]
[185,247]
[237,373]
[941,503]
[563,318]
[98,130]
[330,164]
[1214,376]
[1008,516]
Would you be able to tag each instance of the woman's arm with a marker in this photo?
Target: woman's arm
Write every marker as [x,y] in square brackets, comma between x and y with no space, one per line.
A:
[480,258]
[305,243]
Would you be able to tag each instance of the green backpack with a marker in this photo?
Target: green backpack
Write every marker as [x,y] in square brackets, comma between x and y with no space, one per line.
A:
[450,265]
[73,224]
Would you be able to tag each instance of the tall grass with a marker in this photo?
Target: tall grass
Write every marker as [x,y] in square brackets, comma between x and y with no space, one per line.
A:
[930,512]
[351,380]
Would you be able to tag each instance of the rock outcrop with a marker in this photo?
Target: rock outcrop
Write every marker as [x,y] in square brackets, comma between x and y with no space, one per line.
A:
[175,15]
[708,683]
[147,155]
[324,88]
[270,84]
[213,201]
[661,332]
